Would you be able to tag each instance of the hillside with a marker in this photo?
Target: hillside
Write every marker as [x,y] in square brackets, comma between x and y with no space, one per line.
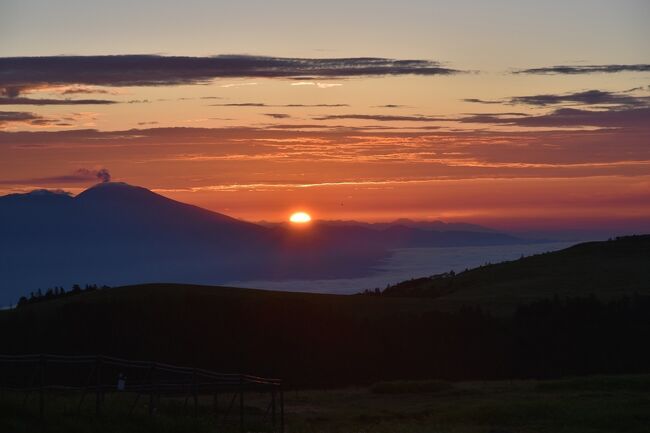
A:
[331,340]
[606,269]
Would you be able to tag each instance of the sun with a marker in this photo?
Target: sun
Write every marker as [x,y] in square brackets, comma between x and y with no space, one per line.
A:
[300,217]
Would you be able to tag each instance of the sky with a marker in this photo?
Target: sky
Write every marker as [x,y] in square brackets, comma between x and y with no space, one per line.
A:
[514,114]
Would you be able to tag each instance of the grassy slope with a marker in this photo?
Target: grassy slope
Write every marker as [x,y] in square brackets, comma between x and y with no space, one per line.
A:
[606,269]
[587,405]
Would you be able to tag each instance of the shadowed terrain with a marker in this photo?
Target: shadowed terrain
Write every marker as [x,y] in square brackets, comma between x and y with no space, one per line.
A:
[330,340]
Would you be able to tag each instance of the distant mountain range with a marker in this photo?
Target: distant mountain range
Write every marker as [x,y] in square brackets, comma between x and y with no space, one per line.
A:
[114,233]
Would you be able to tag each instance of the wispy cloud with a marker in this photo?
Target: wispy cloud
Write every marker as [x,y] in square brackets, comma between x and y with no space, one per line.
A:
[382,118]
[366,153]
[585,69]
[483,101]
[263,104]
[23,117]
[43,101]
[587,97]
[572,117]
[242,104]
[318,84]
[230,85]
[9,118]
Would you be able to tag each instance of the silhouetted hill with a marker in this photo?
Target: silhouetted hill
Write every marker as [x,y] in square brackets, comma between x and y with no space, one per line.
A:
[330,340]
[607,269]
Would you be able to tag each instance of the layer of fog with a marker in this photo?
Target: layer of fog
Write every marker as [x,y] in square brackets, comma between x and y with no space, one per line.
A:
[410,263]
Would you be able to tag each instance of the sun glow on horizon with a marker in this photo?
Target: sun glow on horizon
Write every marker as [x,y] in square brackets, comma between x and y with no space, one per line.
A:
[300,217]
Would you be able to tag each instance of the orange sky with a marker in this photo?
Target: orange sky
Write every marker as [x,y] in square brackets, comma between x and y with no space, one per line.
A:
[481,125]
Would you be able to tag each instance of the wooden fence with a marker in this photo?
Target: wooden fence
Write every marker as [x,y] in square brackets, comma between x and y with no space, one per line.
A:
[100,375]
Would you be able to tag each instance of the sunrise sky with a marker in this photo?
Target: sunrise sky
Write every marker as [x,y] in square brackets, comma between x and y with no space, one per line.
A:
[514,114]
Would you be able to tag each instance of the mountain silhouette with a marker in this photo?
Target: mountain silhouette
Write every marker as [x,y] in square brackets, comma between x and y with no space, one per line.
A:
[114,233]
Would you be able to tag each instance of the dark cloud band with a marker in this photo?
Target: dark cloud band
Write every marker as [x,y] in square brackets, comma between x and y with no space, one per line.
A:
[17,73]
[588,97]
[43,101]
[571,117]
[586,69]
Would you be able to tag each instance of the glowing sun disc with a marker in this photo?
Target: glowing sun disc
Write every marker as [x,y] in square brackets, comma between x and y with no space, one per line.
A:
[300,217]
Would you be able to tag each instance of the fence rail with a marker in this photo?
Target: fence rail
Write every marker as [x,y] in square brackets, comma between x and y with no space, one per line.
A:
[101,375]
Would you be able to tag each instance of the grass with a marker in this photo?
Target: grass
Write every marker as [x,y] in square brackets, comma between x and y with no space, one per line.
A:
[468,407]
[410,387]
[577,405]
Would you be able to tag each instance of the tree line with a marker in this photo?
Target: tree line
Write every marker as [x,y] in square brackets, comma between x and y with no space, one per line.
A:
[56,292]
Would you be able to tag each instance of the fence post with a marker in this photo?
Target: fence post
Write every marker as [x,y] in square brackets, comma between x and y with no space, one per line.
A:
[281,409]
[215,404]
[195,393]
[98,384]
[41,385]
[152,372]
[273,423]
[241,403]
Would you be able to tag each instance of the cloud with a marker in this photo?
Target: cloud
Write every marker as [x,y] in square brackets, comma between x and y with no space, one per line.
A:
[76,90]
[586,69]
[19,73]
[242,104]
[32,101]
[82,175]
[23,117]
[571,117]
[381,118]
[317,84]
[262,104]
[308,155]
[229,85]
[300,126]
[17,116]
[482,101]
[588,97]
[389,106]
[314,105]
[278,115]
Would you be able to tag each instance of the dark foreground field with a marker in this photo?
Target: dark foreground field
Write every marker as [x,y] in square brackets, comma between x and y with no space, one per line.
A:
[521,328]
[581,405]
